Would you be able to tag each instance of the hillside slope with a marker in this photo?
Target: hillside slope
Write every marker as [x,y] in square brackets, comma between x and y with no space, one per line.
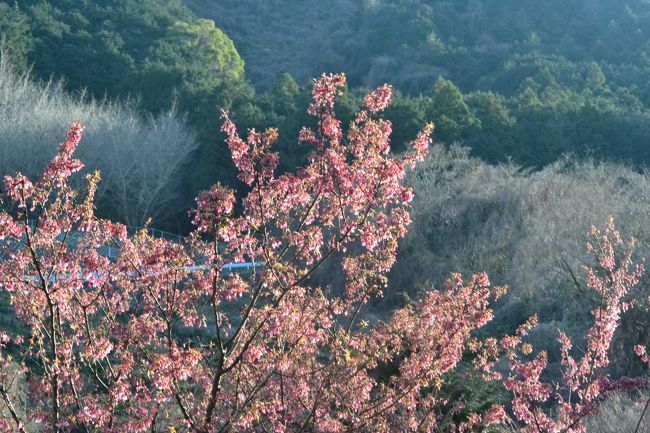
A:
[278,36]
[478,44]
[153,48]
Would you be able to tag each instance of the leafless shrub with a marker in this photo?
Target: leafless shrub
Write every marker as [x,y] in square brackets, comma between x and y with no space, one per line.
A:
[620,414]
[139,156]
[526,229]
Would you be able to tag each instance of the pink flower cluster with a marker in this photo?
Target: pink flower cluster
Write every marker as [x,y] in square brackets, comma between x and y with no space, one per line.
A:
[584,381]
[325,91]
[379,99]
[164,339]
[109,341]
[213,207]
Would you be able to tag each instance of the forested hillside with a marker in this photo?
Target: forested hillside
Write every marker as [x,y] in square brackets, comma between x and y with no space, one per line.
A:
[497,76]
[155,49]
[478,44]
[279,36]
[535,80]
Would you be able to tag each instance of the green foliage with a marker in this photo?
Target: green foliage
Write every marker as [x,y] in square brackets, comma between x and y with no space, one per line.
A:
[156,49]
[452,115]
[407,115]
[190,61]
[410,42]
[474,394]
[278,36]
[15,36]
[514,86]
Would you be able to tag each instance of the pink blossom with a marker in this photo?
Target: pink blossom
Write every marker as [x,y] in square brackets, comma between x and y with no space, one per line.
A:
[165,336]
[379,99]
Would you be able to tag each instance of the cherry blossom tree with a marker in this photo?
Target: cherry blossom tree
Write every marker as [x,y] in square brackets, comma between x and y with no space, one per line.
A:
[166,339]
[584,380]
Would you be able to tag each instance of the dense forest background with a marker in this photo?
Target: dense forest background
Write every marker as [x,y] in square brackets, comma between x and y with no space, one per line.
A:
[542,112]
[509,79]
